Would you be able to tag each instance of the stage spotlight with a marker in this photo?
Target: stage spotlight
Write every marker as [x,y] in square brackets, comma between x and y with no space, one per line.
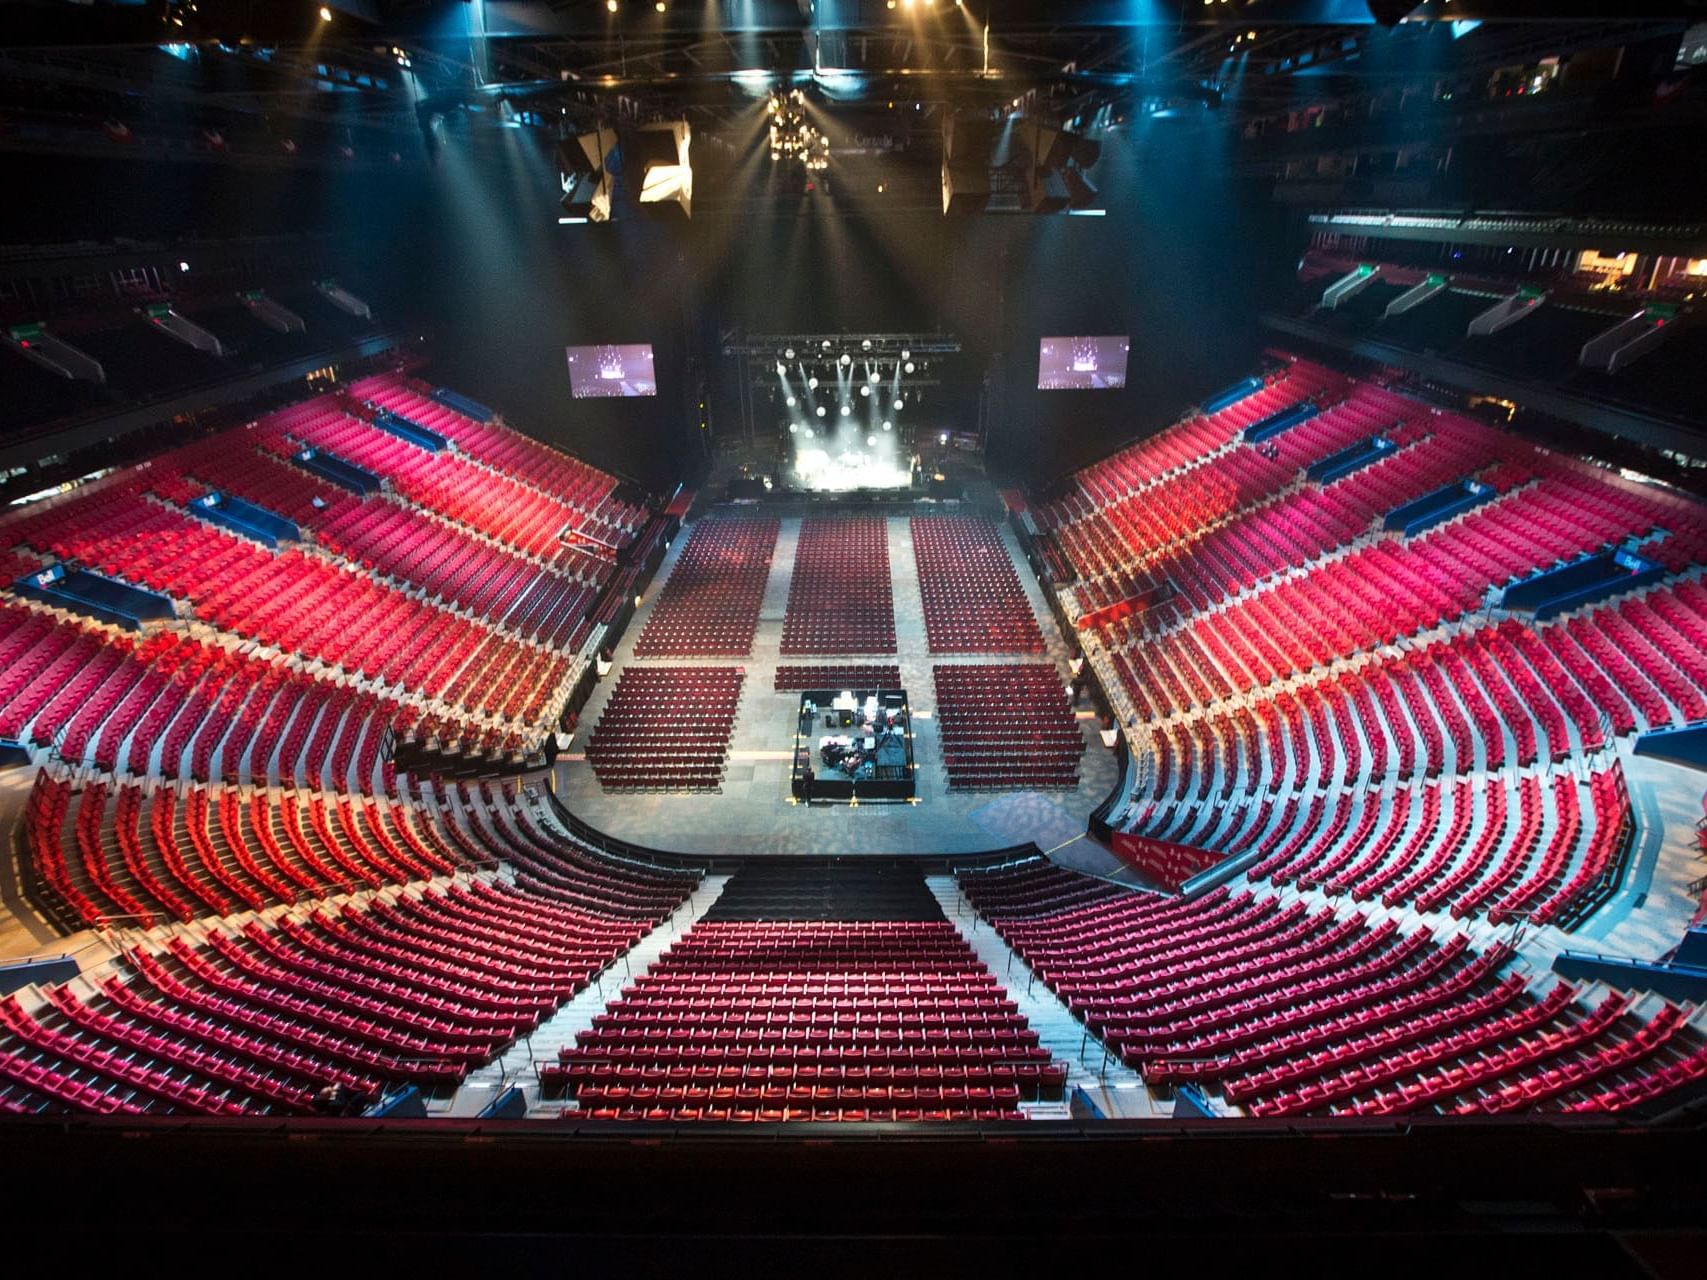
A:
[325,14]
[812,383]
[905,354]
[793,427]
[825,344]
[821,411]
[846,410]
[865,391]
[846,359]
[789,353]
[871,442]
[908,367]
[790,402]
[611,5]
[897,404]
[872,375]
[782,369]
[866,345]
[888,425]
[808,433]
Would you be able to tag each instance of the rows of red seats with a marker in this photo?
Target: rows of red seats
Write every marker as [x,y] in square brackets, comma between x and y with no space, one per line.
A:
[495,820]
[1143,463]
[1284,1010]
[973,601]
[141,853]
[298,602]
[560,475]
[386,536]
[1005,726]
[840,598]
[666,728]
[486,501]
[841,675]
[806,1020]
[710,603]
[179,707]
[417,988]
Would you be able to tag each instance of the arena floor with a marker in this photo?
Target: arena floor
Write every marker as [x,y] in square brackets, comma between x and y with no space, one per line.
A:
[753,812]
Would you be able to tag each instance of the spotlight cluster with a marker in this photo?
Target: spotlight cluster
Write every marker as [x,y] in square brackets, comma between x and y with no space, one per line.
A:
[793,136]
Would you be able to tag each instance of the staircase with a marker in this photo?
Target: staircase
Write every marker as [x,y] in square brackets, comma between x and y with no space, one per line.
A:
[515,1066]
[1116,1090]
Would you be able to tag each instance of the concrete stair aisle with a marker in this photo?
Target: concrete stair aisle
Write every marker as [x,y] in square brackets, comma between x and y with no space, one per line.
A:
[1118,1091]
[515,1066]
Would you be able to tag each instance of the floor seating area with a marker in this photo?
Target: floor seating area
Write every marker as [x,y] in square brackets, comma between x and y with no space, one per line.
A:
[666,729]
[756,1016]
[709,605]
[1006,726]
[1272,1007]
[837,675]
[840,598]
[973,601]
[321,1010]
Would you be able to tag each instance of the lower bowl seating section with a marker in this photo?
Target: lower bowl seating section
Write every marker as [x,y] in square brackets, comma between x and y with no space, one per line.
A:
[496,819]
[809,1020]
[1280,1008]
[323,1009]
[840,599]
[972,596]
[1005,727]
[848,676]
[710,602]
[666,729]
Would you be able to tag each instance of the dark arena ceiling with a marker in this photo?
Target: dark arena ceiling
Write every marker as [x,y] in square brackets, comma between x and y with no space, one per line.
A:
[881,76]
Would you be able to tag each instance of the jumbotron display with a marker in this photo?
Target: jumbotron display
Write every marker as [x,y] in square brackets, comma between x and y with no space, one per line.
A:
[1082,364]
[625,370]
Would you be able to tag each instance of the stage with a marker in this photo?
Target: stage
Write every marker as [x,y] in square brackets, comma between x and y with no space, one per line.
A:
[752,812]
[853,746]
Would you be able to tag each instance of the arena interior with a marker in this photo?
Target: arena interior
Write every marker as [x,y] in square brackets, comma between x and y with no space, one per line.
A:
[809,634]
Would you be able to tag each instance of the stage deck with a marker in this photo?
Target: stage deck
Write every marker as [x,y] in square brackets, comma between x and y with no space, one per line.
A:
[752,813]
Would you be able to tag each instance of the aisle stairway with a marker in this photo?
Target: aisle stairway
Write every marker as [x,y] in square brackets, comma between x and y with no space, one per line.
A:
[1117,1091]
[516,1065]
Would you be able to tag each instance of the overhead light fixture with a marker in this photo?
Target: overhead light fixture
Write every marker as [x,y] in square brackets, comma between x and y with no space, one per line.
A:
[585,170]
[661,153]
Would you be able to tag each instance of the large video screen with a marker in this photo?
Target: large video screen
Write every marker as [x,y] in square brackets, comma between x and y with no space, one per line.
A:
[612,371]
[1081,364]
